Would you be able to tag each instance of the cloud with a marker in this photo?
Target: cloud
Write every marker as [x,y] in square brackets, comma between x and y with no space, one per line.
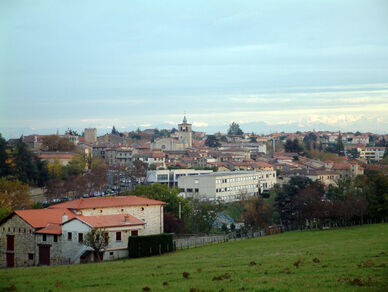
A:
[200,124]
[145,125]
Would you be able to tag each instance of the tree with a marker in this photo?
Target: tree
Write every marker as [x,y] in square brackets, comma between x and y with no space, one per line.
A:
[163,193]
[114,131]
[204,215]
[71,132]
[55,188]
[4,166]
[257,212]
[25,168]
[293,146]
[234,129]
[97,175]
[223,139]
[287,194]
[212,141]
[252,139]
[353,153]
[56,143]
[98,240]
[139,170]
[310,141]
[14,195]
[340,146]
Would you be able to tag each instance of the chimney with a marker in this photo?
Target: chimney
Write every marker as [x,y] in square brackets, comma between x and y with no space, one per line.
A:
[126,218]
[64,218]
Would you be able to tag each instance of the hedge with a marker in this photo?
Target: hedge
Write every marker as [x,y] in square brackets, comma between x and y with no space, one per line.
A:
[149,245]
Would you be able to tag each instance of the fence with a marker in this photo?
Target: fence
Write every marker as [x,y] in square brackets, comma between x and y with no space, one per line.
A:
[195,240]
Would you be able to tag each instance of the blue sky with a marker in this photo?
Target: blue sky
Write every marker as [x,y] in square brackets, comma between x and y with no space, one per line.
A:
[269,65]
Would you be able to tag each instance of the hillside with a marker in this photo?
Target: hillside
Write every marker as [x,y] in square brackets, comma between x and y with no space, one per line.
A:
[348,259]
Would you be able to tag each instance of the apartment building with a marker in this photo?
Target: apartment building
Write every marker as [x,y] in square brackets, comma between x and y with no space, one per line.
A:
[371,153]
[170,177]
[226,186]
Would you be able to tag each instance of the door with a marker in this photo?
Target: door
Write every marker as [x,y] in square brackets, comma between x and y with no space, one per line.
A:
[44,255]
[10,260]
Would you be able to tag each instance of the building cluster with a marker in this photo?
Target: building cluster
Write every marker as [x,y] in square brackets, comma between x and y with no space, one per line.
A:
[57,235]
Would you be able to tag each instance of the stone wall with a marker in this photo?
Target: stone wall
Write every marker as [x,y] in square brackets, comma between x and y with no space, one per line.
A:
[55,248]
[24,242]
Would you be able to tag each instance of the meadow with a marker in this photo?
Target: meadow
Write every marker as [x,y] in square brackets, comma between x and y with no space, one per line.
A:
[346,259]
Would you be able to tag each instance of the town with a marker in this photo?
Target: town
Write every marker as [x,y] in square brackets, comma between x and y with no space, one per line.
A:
[57,189]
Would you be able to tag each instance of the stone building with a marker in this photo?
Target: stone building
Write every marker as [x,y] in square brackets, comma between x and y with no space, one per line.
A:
[90,135]
[55,235]
[185,133]
[185,139]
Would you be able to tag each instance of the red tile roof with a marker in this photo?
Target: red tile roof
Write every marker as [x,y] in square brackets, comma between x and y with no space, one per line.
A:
[51,229]
[39,218]
[111,220]
[104,202]
[340,166]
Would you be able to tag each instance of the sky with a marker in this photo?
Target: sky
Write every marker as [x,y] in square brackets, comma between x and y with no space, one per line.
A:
[267,65]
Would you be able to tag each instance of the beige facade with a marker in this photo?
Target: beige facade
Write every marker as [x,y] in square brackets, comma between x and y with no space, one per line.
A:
[185,133]
[371,153]
[151,215]
[90,135]
[168,144]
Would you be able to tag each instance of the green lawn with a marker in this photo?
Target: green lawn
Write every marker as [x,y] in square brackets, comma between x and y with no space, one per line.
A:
[344,258]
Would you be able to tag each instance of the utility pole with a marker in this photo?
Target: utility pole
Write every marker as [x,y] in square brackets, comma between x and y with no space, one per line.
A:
[180,210]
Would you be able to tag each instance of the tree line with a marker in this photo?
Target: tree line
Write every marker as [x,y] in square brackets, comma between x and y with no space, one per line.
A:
[303,203]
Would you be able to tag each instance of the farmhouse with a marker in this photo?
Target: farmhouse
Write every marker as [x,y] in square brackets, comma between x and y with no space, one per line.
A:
[56,235]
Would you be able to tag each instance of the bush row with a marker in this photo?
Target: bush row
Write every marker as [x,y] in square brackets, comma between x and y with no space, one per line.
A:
[149,245]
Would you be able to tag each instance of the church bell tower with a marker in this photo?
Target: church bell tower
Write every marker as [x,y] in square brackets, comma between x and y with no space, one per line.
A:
[185,133]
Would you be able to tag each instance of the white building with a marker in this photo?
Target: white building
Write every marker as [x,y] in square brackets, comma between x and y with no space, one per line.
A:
[226,186]
[170,177]
[371,153]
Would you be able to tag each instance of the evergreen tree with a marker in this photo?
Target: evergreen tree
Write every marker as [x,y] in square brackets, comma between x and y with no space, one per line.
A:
[340,146]
[4,168]
[234,129]
[114,131]
[212,141]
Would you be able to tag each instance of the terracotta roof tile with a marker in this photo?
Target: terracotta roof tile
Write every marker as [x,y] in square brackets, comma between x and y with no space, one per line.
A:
[104,202]
[39,218]
[51,229]
[111,220]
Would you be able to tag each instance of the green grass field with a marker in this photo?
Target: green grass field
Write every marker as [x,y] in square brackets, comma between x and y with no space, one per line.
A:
[348,259]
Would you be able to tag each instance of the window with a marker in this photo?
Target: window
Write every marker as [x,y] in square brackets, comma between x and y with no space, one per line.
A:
[30,256]
[118,236]
[134,233]
[80,237]
[10,242]
[44,237]
[55,238]
[69,236]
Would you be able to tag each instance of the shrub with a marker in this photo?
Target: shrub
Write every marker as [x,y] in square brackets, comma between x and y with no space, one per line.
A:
[149,245]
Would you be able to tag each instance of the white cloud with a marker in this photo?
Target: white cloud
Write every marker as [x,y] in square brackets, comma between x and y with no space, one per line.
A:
[145,125]
[200,124]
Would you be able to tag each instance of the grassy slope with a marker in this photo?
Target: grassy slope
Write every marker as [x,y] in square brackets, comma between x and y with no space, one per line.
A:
[339,251]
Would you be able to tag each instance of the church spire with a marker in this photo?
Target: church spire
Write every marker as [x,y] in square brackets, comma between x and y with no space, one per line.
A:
[184,119]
